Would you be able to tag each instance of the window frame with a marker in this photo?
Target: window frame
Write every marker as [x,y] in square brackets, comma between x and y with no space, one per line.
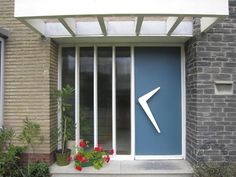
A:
[2,81]
[95,89]
[133,156]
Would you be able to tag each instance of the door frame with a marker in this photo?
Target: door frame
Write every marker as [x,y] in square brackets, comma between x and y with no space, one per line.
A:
[183,103]
[132,95]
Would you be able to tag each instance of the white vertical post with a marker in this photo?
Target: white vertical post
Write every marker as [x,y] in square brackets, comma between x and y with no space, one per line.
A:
[2,82]
[95,96]
[183,93]
[114,99]
[59,85]
[132,101]
[77,96]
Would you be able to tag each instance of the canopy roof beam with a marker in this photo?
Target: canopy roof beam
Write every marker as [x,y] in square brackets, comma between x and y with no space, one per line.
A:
[139,22]
[69,25]
[102,25]
[172,23]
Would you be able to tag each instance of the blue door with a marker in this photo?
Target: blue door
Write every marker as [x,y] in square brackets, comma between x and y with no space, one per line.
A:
[158,122]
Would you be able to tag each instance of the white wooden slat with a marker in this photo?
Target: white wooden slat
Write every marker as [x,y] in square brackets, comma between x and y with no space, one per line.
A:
[172,23]
[102,25]
[138,24]
[69,25]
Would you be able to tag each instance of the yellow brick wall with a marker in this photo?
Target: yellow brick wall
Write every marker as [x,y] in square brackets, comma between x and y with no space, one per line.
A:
[30,75]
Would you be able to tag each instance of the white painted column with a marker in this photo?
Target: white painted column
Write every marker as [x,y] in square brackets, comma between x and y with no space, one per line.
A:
[77,96]
[132,101]
[59,85]
[183,102]
[95,96]
[114,99]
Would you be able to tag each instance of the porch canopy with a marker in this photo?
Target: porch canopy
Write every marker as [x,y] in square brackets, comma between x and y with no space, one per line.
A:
[119,20]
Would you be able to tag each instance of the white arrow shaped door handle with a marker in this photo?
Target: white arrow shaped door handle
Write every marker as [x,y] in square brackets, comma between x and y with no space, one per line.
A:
[143,102]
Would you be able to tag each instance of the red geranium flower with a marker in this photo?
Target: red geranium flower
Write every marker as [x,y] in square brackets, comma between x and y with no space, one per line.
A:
[69,158]
[99,148]
[82,143]
[111,151]
[79,157]
[78,168]
[84,160]
[107,158]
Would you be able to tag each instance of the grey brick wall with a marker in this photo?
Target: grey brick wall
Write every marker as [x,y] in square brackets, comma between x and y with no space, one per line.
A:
[211,118]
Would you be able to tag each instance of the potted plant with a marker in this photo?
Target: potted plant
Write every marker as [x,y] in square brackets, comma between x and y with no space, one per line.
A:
[84,129]
[63,154]
[91,157]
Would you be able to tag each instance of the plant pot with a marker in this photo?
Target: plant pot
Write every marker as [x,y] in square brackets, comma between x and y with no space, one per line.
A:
[88,164]
[63,159]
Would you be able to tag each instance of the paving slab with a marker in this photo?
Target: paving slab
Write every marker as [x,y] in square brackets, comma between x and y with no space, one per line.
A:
[149,168]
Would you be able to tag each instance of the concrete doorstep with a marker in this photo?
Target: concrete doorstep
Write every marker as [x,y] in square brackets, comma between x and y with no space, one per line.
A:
[149,168]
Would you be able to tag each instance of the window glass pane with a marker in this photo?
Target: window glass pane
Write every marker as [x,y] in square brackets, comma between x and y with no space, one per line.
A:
[105,97]
[123,133]
[68,77]
[86,94]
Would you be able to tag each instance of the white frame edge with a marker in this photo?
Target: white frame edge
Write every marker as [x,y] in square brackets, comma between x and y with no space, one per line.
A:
[132,97]
[59,85]
[158,157]
[77,97]
[114,99]
[183,101]
[2,82]
[95,96]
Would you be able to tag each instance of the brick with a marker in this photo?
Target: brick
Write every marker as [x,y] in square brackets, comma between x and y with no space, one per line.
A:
[231,54]
[204,54]
[213,49]
[204,77]
[222,77]
[227,37]
[42,157]
[30,65]
[216,37]
[212,70]
[228,70]
[230,109]
[230,128]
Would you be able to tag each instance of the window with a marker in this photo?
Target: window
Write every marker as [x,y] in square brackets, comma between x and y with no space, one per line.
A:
[1,80]
[68,78]
[103,95]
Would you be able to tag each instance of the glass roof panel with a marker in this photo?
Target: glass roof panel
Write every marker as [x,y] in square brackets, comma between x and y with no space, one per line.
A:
[56,29]
[120,25]
[88,26]
[185,27]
